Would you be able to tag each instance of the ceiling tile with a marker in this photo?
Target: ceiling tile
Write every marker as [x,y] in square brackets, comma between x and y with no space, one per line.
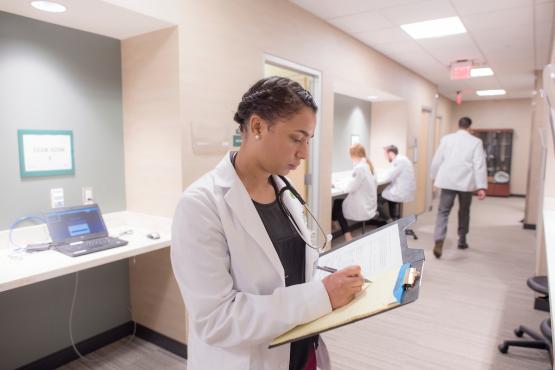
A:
[508,35]
[327,9]
[483,83]
[386,35]
[465,7]
[362,22]
[396,48]
[509,66]
[498,19]
[420,11]
[517,80]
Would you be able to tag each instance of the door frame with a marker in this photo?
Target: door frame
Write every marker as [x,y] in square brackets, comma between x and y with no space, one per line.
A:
[312,182]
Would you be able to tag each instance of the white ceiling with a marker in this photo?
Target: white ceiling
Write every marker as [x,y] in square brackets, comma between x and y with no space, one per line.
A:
[511,36]
[92,16]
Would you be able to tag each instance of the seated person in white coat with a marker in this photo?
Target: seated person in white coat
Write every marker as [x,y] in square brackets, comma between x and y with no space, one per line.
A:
[362,193]
[401,179]
[243,268]
[459,169]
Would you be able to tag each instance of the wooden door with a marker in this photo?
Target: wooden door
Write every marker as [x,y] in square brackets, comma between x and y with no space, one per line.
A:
[297,176]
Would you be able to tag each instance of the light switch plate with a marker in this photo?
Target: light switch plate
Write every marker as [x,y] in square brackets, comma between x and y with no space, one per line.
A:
[87,195]
[57,197]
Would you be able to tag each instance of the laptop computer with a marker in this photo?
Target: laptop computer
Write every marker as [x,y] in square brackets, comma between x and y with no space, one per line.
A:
[80,230]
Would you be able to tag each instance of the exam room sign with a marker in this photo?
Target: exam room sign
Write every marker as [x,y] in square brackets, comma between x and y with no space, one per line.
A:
[45,152]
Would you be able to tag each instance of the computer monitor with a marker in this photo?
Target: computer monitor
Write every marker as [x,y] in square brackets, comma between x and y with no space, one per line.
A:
[73,224]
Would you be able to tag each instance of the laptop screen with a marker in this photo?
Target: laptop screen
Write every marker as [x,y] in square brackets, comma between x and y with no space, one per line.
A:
[75,223]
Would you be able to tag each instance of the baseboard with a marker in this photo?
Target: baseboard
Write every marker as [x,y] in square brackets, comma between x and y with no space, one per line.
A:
[529,226]
[169,344]
[518,195]
[67,355]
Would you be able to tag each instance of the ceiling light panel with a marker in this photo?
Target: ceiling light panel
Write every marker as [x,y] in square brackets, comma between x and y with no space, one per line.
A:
[48,6]
[434,28]
[491,92]
[481,72]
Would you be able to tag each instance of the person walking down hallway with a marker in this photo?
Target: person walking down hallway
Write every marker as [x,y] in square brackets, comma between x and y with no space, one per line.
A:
[459,169]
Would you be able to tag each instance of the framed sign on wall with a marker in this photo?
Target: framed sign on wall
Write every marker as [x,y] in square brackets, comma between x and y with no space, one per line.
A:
[45,152]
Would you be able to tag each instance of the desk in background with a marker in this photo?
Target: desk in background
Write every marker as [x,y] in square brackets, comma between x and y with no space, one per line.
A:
[549,234]
[154,295]
[340,180]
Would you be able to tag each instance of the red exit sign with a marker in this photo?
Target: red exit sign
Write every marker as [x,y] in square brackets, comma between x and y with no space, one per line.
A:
[460,70]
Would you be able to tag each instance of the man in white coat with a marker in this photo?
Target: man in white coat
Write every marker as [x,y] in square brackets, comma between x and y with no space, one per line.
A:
[459,169]
[402,183]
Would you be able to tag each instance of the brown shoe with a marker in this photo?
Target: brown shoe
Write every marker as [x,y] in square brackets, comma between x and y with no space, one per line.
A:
[438,248]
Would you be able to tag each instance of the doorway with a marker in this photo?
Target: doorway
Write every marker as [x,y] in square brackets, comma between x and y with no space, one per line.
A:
[303,178]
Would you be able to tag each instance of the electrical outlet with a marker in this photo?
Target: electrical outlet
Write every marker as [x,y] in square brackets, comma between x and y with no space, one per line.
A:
[57,197]
[87,195]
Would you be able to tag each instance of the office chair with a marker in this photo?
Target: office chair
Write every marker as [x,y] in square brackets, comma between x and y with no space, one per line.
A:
[540,341]
[408,231]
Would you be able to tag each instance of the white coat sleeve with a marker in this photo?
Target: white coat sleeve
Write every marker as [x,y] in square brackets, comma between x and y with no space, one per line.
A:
[437,160]
[219,314]
[355,182]
[480,167]
[393,173]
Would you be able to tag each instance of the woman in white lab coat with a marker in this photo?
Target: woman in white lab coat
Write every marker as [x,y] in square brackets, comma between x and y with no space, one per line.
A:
[243,269]
[362,193]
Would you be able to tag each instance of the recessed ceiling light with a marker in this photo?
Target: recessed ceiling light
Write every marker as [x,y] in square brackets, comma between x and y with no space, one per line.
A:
[48,6]
[434,28]
[481,72]
[490,92]
[372,97]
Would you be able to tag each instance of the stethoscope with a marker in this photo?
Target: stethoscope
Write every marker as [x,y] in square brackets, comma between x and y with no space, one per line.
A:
[288,187]
[279,195]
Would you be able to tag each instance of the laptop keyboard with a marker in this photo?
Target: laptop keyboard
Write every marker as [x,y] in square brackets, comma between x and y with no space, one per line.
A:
[91,245]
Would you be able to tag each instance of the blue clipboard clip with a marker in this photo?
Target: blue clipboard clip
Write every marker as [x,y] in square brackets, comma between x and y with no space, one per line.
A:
[406,279]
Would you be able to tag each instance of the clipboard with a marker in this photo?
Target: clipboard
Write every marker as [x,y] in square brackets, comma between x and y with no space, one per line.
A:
[404,282]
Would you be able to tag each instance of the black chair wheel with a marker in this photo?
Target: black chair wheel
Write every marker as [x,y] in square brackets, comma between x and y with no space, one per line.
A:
[503,348]
[518,332]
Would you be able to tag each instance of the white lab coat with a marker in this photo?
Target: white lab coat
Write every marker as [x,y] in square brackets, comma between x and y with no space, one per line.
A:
[362,199]
[460,163]
[402,181]
[232,280]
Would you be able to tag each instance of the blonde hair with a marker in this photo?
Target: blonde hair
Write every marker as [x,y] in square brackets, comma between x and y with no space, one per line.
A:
[358,151]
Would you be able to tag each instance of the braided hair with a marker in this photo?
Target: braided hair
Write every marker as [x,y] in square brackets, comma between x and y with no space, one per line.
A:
[273,98]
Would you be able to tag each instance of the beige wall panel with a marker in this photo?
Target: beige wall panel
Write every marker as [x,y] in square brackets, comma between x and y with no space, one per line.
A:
[388,125]
[152,130]
[152,146]
[222,44]
[155,297]
[508,113]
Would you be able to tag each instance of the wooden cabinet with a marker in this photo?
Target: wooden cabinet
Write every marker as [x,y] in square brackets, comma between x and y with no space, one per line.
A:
[498,145]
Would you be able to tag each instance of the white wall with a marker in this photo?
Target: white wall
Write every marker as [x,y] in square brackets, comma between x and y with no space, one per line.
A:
[351,116]
[515,114]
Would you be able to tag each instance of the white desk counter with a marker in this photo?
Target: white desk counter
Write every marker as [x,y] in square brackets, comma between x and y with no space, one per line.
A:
[340,180]
[19,268]
[549,233]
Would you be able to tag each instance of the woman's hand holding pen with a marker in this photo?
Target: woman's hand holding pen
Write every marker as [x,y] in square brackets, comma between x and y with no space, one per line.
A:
[343,285]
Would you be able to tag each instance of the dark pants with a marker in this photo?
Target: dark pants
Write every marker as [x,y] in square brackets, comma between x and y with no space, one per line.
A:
[388,209]
[446,201]
[337,215]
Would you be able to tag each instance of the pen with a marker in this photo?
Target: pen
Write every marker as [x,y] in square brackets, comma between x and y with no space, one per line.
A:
[332,270]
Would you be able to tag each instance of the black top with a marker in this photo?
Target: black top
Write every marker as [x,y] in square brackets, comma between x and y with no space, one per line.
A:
[290,248]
